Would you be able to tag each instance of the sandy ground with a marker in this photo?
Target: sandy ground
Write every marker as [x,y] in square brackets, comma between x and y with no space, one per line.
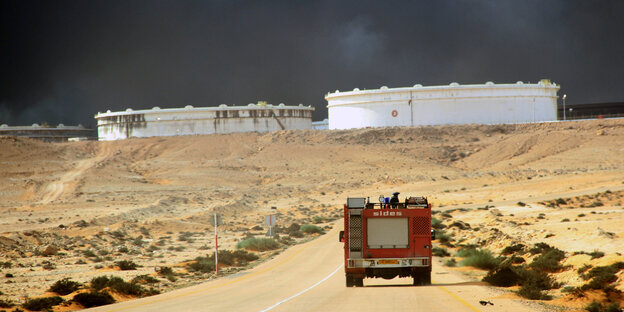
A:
[73,209]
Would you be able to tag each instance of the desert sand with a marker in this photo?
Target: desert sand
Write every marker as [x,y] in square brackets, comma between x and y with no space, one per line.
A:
[74,209]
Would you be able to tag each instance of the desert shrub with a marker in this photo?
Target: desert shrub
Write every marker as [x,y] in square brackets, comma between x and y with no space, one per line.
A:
[602,276]
[565,220]
[516,260]
[126,265]
[540,248]
[596,254]
[596,204]
[512,249]
[444,238]
[293,230]
[560,201]
[481,259]
[6,303]
[437,224]
[119,285]
[311,229]
[521,204]
[317,219]
[99,282]
[533,293]
[581,271]
[144,279]
[504,276]
[39,304]
[237,257]
[440,252]
[596,306]
[465,251]
[460,225]
[6,264]
[165,271]
[89,253]
[65,286]
[549,260]
[202,264]
[258,244]
[536,279]
[451,262]
[93,299]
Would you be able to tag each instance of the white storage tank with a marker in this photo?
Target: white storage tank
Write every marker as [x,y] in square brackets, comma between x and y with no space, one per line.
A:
[191,120]
[487,103]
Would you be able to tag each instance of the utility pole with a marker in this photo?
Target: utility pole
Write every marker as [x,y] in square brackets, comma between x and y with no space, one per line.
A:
[216,223]
[564,97]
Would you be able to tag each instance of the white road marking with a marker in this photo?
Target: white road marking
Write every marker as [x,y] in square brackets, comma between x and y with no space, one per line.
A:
[303,291]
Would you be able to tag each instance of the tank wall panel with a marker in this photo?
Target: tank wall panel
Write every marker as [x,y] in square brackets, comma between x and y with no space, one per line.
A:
[171,122]
[478,104]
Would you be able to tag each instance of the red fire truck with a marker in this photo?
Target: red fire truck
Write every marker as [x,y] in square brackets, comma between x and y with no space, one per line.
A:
[387,240]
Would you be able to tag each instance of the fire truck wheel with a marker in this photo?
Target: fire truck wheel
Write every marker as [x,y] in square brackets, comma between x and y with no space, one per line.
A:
[427,278]
[359,282]
[349,280]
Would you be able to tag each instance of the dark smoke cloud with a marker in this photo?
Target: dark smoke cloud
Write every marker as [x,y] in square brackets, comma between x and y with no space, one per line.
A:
[63,61]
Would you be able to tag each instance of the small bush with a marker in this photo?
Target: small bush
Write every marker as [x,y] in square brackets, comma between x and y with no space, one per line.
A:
[165,271]
[504,276]
[444,238]
[450,262]
[65,286]
[565,220]
[549,260]
[317,219]
[311,229]
[596,254]
[481,259]
[258,244]
[437,224]
[440,252]
[144,279]
[595,306]
[123,287]
[126,265]
[202,264]
[602,276]
[45,303]
[99,282]
[512,249]
[521,204]
[6,303]
[540,248]
[93,299]
[533,293]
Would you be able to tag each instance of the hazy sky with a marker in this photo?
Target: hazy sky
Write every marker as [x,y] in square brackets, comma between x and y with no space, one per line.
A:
[63,61]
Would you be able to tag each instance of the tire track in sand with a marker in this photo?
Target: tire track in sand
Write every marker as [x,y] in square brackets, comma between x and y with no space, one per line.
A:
[67,182]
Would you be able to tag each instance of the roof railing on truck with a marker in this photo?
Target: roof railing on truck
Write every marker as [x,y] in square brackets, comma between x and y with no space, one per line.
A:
[413,202]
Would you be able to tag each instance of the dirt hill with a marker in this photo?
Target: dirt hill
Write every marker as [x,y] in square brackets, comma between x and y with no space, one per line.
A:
[65,194]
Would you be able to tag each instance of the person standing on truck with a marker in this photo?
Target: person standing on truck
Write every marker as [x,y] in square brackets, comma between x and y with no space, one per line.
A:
[394,200]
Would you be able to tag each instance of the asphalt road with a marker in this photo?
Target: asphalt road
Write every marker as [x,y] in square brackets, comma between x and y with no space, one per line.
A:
[310,277]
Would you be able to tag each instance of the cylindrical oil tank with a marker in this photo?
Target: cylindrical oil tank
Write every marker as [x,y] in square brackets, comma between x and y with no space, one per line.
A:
[487,103]
[191,120]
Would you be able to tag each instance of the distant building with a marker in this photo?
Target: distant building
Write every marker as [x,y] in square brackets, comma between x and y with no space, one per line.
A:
[59,133]
[261,117]
[487,103]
